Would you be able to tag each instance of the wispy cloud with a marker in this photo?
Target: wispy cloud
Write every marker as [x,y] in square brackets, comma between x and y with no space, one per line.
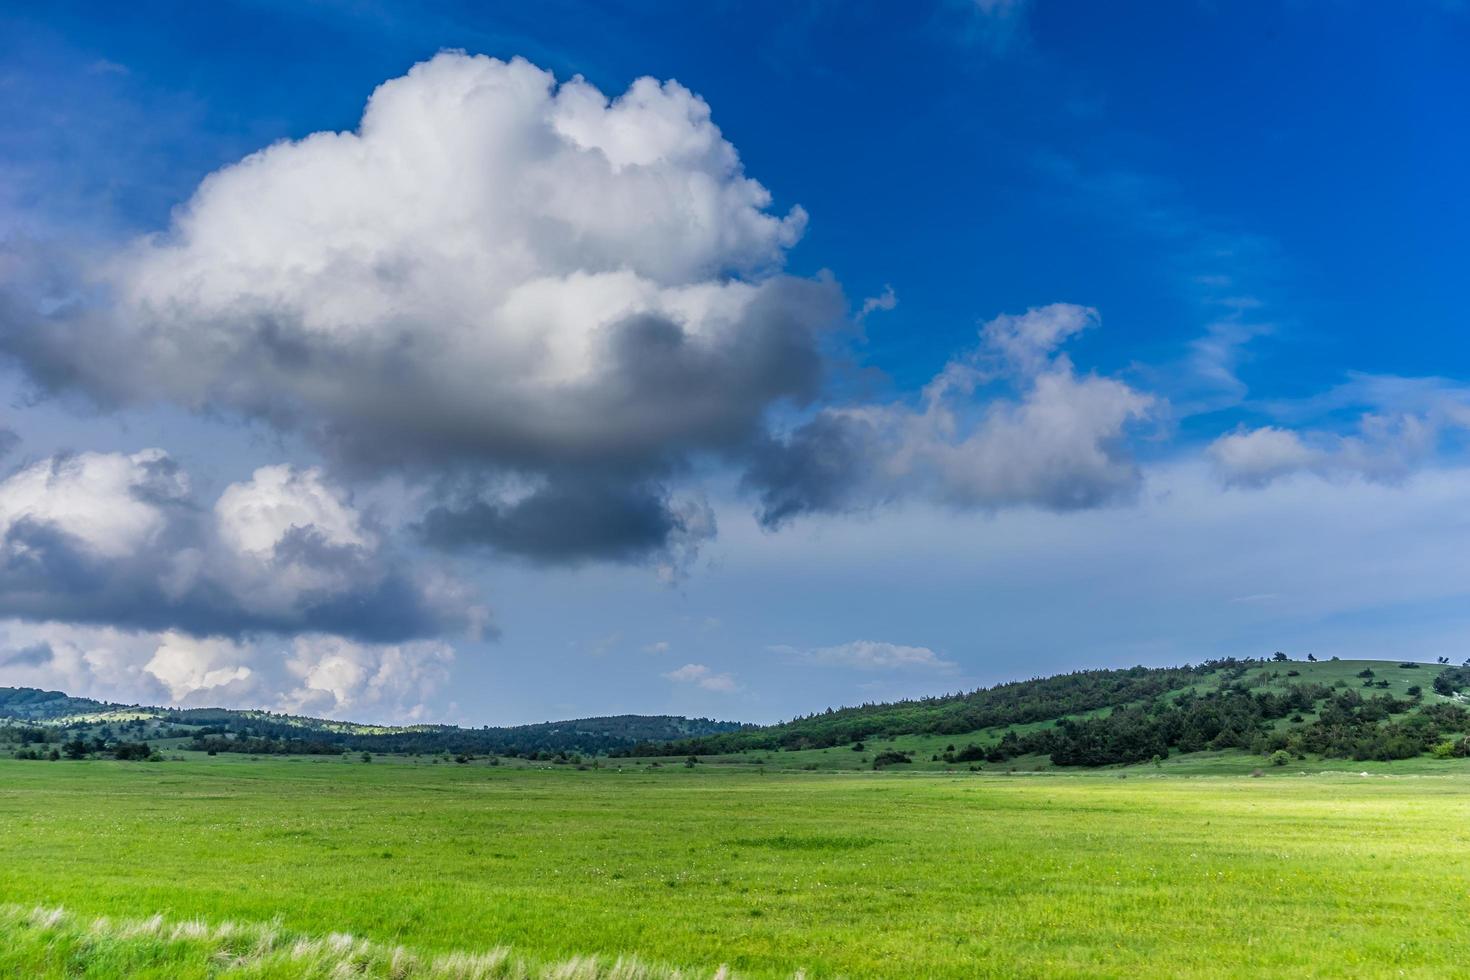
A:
[1224,271]
[704,678]
[871,655]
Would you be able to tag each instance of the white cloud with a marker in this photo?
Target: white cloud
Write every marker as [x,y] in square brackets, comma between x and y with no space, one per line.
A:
[1256,457]
[494,274]
[255,517]
[339,677]
[186,665]
[703,677]
[1384,449]
[113,503]
[316,674]
[117,539]
[1058,443]
[660,646]
[547,305]
[872,655]
[886,300]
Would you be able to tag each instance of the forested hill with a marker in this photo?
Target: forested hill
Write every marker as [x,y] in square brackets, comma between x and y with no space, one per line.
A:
[1281,708]
[1013,703]
[1278,708]
[33,704]
[264,732]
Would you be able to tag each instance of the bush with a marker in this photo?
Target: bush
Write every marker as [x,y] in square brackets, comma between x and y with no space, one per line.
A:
[1280,757]
[970,753]
[131,751]
[890,758]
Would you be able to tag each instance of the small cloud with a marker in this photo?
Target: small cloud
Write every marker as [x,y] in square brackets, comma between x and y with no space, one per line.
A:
[885,301]
[1257,597]
[662,646]
[104,67]
[872,655]
[702,677]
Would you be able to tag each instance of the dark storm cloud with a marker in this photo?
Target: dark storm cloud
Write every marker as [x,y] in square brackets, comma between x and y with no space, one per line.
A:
[561,524]
[35,655]
[814,470]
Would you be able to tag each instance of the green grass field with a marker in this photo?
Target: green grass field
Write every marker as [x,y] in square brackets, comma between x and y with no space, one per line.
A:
[835,874]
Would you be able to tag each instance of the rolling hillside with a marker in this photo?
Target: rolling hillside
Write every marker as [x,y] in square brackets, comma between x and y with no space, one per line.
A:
[1259,712]
[266,733]
[1278,710]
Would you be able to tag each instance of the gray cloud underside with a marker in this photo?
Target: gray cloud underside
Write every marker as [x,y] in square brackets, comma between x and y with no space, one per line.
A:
[46,575]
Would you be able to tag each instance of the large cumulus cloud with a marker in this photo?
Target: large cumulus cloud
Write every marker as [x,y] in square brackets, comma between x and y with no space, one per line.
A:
[494,274]
[546,307]
[117,539]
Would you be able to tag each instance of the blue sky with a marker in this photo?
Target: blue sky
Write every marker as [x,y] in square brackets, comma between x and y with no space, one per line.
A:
[1232,422]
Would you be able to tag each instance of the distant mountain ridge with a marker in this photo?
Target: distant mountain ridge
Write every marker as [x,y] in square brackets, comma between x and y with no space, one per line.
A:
[299,733]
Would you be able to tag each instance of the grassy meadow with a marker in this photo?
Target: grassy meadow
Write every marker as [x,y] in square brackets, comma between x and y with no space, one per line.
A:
[768,873]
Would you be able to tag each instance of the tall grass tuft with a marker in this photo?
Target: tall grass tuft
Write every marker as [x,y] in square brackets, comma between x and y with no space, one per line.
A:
[51,942]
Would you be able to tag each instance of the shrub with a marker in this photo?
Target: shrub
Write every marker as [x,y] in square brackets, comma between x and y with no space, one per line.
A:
[1280,757]
[890,758]
[131,751]
[970,753]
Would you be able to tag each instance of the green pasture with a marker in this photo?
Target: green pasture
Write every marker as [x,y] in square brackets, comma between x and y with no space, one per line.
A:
[855,874]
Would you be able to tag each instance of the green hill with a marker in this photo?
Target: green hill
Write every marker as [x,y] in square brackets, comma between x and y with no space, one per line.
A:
[52,714]
[33,704]
[1266,712]
[1279,710]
